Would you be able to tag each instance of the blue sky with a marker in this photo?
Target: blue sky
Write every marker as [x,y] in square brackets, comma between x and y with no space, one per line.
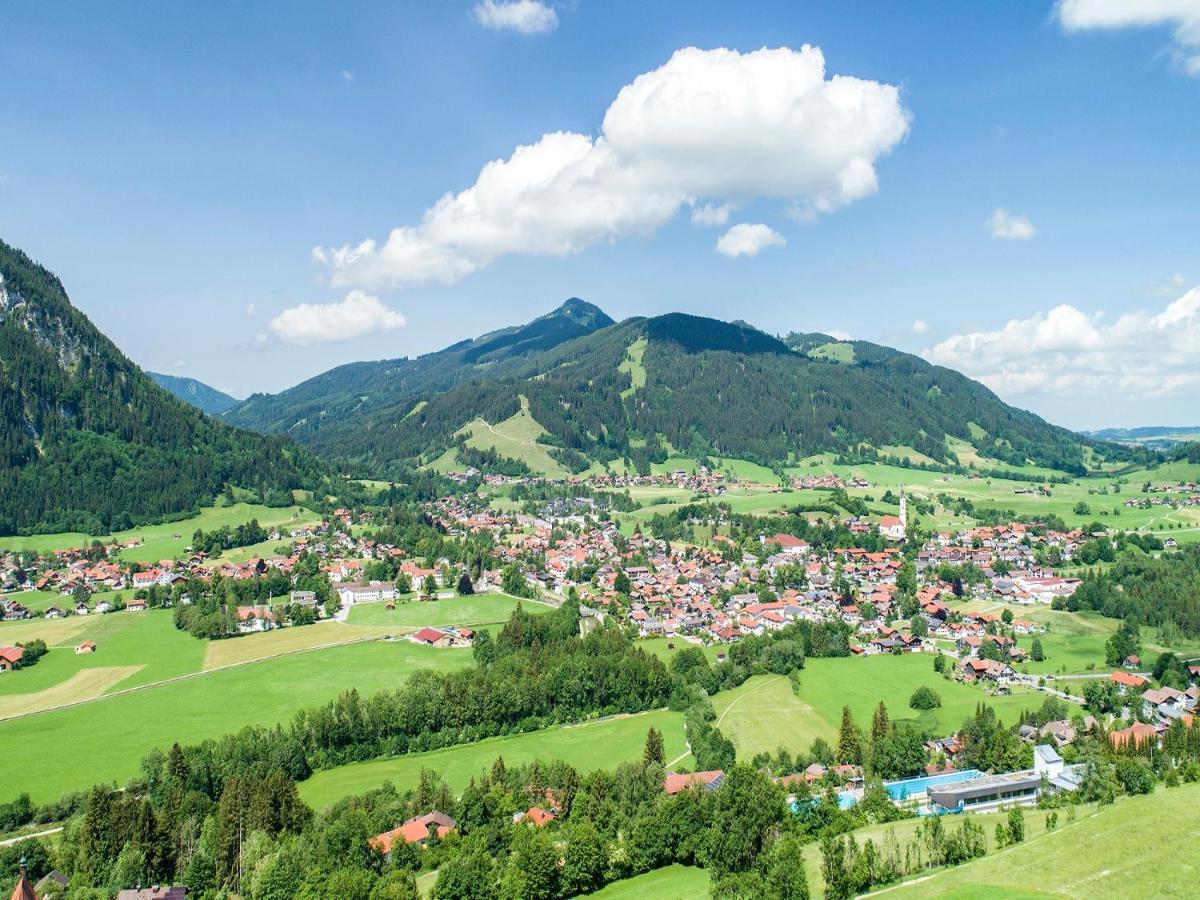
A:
[176,164]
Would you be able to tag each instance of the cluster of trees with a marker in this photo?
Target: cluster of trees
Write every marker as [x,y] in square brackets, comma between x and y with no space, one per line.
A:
[1148,590]
[226,538]
[212,608]
[850,870]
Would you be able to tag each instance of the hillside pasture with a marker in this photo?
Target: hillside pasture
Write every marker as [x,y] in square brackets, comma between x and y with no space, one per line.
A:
[1134,848]
[764,714]
[158,542]
[600,744]
[104,740]
[477,609]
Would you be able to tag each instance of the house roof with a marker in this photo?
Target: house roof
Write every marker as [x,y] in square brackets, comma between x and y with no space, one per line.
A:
[676,782]
[429,635]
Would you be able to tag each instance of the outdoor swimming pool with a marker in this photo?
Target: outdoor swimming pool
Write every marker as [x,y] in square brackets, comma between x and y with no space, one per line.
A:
[912,787]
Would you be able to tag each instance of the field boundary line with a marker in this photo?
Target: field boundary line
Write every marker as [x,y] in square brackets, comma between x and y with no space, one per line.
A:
[177,678]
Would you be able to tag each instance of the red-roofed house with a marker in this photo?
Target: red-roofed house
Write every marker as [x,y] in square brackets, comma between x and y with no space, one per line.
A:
[416,830]
[9,657]
[1126,681]
[710,781]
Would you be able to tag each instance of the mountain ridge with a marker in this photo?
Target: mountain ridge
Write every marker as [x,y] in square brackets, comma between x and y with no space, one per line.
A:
[703,386]
[89,442]
[200,395]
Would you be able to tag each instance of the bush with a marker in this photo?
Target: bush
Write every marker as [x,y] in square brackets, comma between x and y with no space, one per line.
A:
[924,698]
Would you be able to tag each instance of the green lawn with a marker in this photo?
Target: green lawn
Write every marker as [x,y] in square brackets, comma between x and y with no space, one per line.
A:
[515,438]
[1138,847]
[479,609]
[159,541]
[589,746]
[71,749]
[1074,641]
[146,640]
[672,883]
[764,714]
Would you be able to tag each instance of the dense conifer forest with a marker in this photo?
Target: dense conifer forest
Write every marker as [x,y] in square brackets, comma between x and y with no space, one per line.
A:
[89,442]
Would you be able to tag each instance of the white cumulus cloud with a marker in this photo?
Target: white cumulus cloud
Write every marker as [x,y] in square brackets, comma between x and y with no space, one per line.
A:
[524,16]
[1067,351]
[1008,227]
[920,326]
[314,323]
[1181,16]
[747,240]
[710,214]
[709,126]
[251,309]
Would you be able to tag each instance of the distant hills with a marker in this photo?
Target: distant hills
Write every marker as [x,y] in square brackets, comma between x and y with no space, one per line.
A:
[89,442]
[577,388]
[197,393]
[1160,437]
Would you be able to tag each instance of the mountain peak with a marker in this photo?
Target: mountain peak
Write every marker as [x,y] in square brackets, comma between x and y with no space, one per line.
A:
[581,312]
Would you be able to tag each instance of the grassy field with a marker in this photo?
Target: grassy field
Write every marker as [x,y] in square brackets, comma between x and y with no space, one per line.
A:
[671,883]
[515,437]
[145,647]
[1138,847]
[633,365]
[1107,507]
[765,714]
[251,647]
[1074,642]
[589,746]
[160,541]
[480,609]
[71,749]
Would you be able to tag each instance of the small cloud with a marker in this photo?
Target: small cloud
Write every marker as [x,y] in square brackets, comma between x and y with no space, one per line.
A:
[260,340]
[314,323]
[180,364]
[920,326]
[1008,227]
[251,309]
[710,214]
[346,74]
[745,239]
[522,16]
[838,335]
[1171,287]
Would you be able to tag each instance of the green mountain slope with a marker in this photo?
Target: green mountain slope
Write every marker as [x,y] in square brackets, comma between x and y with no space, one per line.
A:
[636,389]
[197,393]
[89,442]
[325,412]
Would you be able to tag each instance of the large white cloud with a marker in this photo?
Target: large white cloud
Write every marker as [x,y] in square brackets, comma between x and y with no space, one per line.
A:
[747,240]
[1182,16]
[1140,354]
[314,323]
[709,126]
[524,16]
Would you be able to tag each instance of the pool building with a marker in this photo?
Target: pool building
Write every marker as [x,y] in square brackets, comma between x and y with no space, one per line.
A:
[989,792]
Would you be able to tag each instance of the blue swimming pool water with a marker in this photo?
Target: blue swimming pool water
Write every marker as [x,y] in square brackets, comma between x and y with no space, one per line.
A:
[902,790]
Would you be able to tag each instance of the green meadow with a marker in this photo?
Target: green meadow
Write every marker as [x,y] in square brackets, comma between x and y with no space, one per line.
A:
[765,714]
[671,883]
[160,541]
[1138,847]
[61,750]
[588,746]
[478,609]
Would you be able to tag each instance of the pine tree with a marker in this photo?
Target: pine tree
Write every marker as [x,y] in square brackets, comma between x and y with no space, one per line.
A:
[654,751]
[880,724]
[849,748]
[1035,650]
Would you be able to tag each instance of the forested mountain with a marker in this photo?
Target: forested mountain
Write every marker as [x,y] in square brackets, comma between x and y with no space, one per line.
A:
[89,442]
[637,389]
[323,410]
[197,393]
